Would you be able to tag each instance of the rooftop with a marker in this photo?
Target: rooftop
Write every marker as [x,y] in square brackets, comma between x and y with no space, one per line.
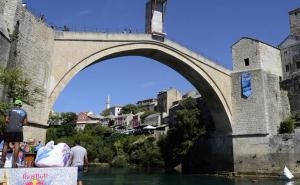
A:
[294,11]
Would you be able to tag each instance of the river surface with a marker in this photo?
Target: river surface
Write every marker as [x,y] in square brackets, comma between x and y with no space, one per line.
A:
[119,176]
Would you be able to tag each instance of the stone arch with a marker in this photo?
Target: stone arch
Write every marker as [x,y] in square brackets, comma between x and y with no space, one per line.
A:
[203,75]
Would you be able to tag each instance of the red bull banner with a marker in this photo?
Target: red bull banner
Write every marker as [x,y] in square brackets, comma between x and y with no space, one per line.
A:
[39,176]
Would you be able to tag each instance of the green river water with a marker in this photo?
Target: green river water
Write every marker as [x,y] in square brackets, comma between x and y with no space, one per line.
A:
[119,176]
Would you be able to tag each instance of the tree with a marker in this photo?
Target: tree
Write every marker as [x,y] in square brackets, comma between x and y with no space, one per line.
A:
[54,119]
[69,118]
[19,87]
[189,126]
[16,86]
[106,112]
[130,108]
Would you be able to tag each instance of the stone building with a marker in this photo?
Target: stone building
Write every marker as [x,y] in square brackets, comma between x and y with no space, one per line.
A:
[136,120]
[258,103]
[153,120]
[166,98]
[115,110]
[123,122]
[290,57]
[86,118]
[149,104]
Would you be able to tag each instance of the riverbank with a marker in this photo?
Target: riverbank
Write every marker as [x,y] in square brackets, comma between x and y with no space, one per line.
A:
[252,175]
[99,165]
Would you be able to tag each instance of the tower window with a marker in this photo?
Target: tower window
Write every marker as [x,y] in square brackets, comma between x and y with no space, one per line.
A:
[247,62]
[287,68]
[298,65]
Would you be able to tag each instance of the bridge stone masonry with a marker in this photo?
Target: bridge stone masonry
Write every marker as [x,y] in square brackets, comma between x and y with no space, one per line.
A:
[245,138]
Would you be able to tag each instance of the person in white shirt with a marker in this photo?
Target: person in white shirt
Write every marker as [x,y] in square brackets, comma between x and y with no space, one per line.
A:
[79,159]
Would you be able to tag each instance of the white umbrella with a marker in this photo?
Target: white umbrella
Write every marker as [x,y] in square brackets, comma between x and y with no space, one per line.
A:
[149,127]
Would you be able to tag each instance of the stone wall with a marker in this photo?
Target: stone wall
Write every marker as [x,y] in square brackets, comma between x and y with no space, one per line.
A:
[290,57]
[245,154]
[267,154]
[210,154]
[295,21]
[249,114]
[4,56]
[8,19]
[4,48]
[33,55]
[35,132]
[27,43]
[261,112]
[290,54]
[293,87]
[256,118]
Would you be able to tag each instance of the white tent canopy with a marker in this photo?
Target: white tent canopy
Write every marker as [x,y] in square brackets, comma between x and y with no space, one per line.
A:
[149,127]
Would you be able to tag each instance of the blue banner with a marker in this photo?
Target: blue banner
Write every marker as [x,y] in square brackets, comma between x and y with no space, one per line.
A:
[246,84]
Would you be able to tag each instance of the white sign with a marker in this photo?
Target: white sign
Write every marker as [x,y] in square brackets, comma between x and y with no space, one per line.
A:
[39,176]
[157,24]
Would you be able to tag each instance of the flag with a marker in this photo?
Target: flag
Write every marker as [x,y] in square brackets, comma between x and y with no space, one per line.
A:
[246,84]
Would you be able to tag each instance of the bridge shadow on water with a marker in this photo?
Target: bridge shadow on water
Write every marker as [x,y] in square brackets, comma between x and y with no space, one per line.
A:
[122,176]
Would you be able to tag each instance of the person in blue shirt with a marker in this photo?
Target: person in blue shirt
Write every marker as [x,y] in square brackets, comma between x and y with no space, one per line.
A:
[38,146]
[16,118]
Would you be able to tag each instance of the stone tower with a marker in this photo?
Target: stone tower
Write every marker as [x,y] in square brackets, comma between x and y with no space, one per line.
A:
[260,112]
[155,12]
[257,101]
[295,22]
[290,57]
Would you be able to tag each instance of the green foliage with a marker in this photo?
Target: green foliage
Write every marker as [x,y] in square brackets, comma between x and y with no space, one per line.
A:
[104,145]
[4,107]
[19,87]
[51,134]
[130,108]
[106,112]
[296,116]
[68,118]
[54,119]
[288,125]
[64,118]
[146,153]
[119,161]
[106,154]
[189,126]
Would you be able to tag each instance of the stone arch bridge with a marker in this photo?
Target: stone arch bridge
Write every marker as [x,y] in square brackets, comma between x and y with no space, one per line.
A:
[75,51]
[246,137]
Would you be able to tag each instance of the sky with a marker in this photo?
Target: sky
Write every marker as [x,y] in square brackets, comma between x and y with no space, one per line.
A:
[208,27]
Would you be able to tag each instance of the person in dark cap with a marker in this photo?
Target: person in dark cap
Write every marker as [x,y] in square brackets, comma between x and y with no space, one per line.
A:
[16,118]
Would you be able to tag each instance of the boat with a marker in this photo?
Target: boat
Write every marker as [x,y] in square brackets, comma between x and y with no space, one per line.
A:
[287,174]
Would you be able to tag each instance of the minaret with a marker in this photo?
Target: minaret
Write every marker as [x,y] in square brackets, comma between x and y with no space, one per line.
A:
[108,102]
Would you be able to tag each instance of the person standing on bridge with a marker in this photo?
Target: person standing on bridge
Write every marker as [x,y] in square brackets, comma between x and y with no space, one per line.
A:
[79,159]
[16,118]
